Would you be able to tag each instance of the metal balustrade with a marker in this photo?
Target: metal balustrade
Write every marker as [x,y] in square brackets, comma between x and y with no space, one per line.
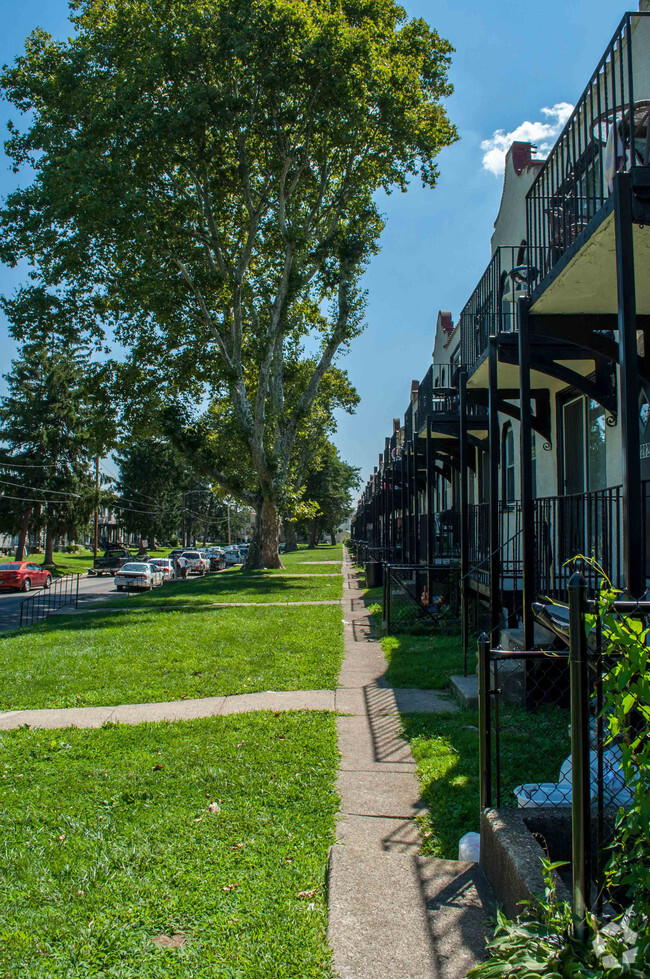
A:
[493,306]
[607,131]
[63,591]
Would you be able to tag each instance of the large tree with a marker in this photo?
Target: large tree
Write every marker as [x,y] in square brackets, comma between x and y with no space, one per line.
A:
[46,429]
[329,485]
[210,167]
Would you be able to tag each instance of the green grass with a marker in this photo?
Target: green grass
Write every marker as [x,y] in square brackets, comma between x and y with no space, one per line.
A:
[133,657]
[425,662]
[236,586]
[295,561]
[445,747]
[106,843]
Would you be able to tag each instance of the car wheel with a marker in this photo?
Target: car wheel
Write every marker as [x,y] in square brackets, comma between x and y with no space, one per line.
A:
[48,582]
[119,587]
[27,585]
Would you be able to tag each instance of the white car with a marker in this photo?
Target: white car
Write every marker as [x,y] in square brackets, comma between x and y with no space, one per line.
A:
[196,562]
[138,574]
[232,555]
[165,565]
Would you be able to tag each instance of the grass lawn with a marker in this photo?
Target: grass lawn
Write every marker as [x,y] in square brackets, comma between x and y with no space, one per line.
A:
[313,560]
[107,844]
[445,747]
[236,586]
[425,662]
[134,657]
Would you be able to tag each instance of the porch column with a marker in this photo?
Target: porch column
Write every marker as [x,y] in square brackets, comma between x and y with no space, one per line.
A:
[633,535]
[416,502]
[526,477]
[495,448]
[464,539]
[430,462]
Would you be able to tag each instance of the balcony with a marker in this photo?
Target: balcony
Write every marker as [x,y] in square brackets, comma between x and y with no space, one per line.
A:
[570,204]
[434,401]
[492,308]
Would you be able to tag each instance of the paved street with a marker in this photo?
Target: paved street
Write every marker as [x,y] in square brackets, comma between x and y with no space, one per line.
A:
[90,590]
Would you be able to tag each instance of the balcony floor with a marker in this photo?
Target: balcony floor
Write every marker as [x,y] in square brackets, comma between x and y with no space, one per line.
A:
[584,280]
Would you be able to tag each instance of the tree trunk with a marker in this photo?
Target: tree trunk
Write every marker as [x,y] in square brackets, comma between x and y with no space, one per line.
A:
[290,535]
[22,537]
[49,547]
[332,538]
[264,550]
[314,534]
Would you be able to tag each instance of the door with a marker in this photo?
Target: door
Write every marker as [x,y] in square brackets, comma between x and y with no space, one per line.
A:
[571,520]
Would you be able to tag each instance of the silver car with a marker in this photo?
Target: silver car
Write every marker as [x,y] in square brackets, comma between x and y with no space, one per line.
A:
[138,574]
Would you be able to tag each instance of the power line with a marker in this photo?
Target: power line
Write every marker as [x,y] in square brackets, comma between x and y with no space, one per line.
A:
[39,489]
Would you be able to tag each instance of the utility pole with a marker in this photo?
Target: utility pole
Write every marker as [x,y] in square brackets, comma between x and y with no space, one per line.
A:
[96,534]
[228,506]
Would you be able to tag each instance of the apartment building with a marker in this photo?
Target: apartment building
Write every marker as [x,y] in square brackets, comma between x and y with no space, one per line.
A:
[527,442]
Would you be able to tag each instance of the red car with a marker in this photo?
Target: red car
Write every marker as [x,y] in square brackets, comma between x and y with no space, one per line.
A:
[23,575]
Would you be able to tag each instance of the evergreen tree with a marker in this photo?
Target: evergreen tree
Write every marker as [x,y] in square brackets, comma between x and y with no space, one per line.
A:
[330,485]
[45,429]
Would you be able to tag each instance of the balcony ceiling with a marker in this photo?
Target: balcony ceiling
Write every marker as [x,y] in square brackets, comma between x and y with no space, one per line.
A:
[587,284]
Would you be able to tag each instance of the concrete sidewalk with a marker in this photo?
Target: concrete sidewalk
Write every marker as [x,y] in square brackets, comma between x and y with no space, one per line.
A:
[392,913]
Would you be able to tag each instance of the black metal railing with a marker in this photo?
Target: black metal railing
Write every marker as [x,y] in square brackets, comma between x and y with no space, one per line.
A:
[546,744]
[493,306]
[420,596]
[589,524]
[63,591]
[607,131]
[510,529]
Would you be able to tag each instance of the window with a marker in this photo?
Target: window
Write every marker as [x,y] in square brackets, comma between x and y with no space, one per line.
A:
[584,446]
[508,469]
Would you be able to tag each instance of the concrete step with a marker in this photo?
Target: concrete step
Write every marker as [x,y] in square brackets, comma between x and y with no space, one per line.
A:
[396,915]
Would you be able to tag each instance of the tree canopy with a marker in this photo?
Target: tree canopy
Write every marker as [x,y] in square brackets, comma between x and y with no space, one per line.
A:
[207,170]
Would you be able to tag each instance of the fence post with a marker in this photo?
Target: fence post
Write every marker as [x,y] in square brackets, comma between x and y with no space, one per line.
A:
[387,586]
[76,600]
[484,722]
[580,768]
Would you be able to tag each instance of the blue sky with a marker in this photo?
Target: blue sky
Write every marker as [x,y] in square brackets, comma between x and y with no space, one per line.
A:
[512,60]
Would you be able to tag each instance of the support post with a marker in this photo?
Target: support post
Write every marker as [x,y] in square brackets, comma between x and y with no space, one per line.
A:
[580,768]
[484,723]
[464,539]
[388,591]
[96,526]
[634,572]
[526,478]
[416,503]
[494,437]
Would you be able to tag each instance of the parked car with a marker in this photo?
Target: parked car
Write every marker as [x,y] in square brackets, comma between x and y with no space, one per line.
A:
[196,563]
[138,574]
[232,555]
[217,558]
[165,565]
[23,576]
[111,562]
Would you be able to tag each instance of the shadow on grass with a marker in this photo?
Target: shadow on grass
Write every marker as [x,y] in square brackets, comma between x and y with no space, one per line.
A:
[533,746]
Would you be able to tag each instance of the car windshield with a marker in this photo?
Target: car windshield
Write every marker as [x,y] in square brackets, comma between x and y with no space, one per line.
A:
[135,567]
[191,554]
[11,566]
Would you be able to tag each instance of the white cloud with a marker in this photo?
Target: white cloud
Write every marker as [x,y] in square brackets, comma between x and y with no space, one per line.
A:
[542,134]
